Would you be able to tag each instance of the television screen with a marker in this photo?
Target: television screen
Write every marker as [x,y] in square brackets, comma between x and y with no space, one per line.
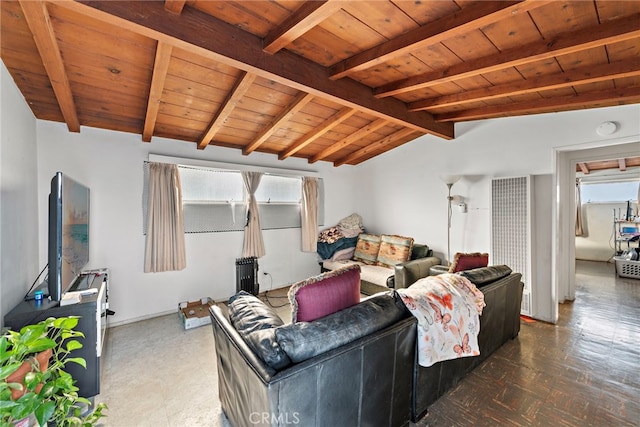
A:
[68,233]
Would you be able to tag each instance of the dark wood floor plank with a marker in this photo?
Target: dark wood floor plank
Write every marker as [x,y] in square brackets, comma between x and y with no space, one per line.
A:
[583,371]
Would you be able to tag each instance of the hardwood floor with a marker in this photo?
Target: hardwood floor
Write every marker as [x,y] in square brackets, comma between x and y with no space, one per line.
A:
[583,371]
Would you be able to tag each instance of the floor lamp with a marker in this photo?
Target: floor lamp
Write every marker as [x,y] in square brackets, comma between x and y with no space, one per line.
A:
[449,180]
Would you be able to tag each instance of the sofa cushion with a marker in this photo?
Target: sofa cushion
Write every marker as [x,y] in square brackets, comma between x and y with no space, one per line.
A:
[324,294]
[368,273]
[367,248]
[304,340]
[485,275]
[248,313]
[462,261]
[256,323]
[419,251]
[394,250]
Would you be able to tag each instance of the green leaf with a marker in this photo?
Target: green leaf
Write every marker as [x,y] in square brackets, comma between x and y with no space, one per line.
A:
[26,405]
[72,334]
[32,379]
[33,332]
[79,360]
[7,370]
[47,389]
[44,412]
[66,322]
[15,386]
[7,404]
[41,344]
[4,345]
[73,345]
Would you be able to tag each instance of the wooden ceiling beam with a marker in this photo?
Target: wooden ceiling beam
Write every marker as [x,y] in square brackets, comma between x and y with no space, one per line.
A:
[622,165]
[160,68]
[374,146]
[209,37]
[584,75]
[359,134]
[292,109]
[317,132]
[543,105]
[584,168]
[39,22]
[174,6]
[307,16]
[240,87]
[609,32]
[460,22]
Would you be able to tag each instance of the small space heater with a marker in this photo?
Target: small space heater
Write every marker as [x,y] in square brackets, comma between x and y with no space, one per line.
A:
[247,275]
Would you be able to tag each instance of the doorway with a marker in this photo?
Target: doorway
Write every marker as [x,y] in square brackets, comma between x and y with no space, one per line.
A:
[564,209]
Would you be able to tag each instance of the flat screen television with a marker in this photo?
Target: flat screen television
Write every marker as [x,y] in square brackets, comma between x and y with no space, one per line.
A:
[68,233]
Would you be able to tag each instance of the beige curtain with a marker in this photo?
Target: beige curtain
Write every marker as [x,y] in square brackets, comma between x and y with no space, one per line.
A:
[579,228]
[164,250]
[309,214]
[253,243]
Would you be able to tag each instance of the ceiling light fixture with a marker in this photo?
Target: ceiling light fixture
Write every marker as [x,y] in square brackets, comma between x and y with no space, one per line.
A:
[606,128]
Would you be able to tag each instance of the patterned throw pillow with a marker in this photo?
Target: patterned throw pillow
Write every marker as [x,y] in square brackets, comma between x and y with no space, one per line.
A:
[367,248]
[394,250]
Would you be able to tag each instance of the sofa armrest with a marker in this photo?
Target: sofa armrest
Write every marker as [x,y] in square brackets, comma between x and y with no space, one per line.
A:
[226,335]
[409,272]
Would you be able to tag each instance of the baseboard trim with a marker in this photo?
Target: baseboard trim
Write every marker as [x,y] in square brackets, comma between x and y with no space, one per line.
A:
[141,318]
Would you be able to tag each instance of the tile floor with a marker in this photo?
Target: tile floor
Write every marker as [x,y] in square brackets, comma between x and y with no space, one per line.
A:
[582,371]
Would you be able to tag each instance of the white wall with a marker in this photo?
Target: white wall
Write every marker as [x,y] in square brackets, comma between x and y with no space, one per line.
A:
[110,164]
[407,197]
[19,261]
[598,242]
[541,239]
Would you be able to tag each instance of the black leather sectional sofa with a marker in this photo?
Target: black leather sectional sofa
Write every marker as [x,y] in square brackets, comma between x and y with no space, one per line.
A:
[355,367]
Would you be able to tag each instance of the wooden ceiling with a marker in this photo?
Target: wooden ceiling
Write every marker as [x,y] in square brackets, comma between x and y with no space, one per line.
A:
[337,81]
[618,164]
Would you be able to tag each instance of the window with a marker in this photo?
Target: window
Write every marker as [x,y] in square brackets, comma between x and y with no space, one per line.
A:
[279,189]
[214,200]
[608,191]
[198,185]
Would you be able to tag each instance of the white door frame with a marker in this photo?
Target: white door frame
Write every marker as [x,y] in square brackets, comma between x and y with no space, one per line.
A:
[564,207]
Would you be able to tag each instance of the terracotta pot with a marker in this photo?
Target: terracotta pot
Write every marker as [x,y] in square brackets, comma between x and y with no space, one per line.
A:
[18,376]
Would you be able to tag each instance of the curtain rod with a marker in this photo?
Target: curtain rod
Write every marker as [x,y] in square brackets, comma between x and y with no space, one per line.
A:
[231,166]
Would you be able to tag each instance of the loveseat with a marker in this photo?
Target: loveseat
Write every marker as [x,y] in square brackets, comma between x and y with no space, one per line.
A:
[353,367]
[357,366]
[387,262]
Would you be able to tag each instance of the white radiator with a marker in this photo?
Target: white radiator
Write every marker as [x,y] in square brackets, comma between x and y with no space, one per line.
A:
[511,217]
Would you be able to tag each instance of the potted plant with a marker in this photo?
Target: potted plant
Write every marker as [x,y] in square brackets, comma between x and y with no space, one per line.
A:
[33,382]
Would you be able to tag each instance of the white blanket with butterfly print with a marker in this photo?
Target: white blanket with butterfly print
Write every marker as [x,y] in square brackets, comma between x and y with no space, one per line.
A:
[448,308]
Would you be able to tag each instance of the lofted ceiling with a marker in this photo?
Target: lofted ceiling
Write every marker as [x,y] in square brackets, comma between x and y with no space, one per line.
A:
[336,81]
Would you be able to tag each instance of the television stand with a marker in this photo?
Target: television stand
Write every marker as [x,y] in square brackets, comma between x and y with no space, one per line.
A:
[91,307]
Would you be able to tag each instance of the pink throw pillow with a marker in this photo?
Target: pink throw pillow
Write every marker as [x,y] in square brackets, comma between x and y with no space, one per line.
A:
[325,294]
